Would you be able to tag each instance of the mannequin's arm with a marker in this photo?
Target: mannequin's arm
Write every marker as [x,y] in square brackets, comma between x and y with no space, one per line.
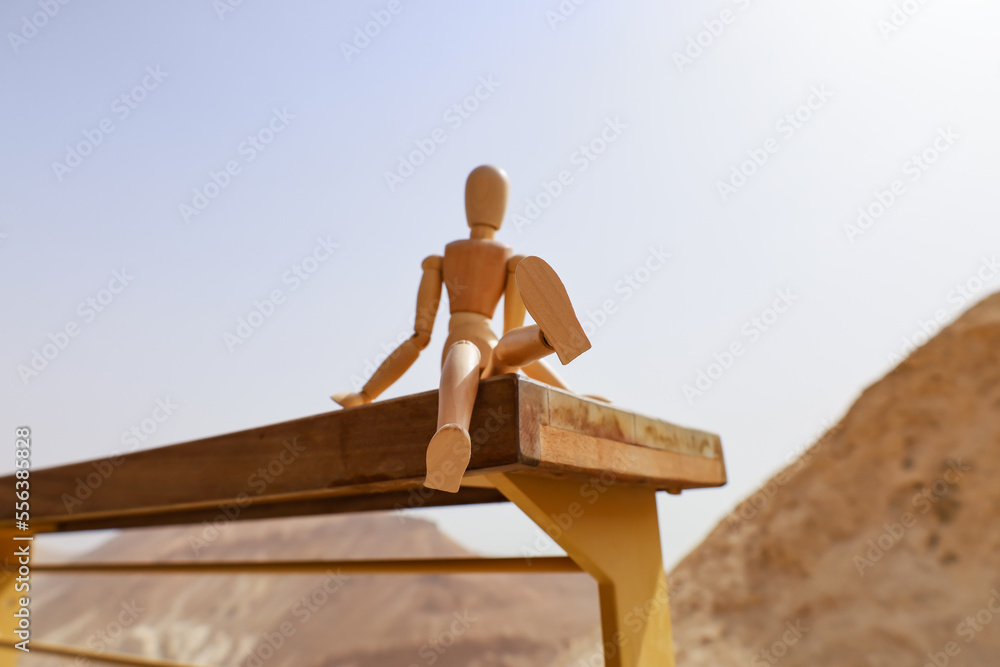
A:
[397,363]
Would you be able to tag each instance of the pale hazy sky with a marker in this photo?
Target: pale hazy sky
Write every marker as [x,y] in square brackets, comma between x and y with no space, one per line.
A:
[739,137]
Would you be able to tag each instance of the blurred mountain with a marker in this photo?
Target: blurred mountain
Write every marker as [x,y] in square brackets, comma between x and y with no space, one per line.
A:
[488,620]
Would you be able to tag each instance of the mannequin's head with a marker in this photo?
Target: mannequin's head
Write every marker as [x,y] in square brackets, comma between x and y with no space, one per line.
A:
[486,197]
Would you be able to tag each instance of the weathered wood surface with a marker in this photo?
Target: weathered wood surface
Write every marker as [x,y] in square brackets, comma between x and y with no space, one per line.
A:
[370,457]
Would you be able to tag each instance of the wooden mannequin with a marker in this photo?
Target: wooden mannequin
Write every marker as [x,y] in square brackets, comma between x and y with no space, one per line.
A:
[476,272]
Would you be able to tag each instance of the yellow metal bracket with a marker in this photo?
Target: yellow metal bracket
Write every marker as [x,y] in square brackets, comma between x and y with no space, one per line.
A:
[611,531]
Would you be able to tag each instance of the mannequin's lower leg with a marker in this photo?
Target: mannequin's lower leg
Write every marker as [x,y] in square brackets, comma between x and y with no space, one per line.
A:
[450,449]
[516,349]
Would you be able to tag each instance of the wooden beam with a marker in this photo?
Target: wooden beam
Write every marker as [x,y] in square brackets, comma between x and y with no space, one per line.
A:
[415,566]
[269,507]
[370,457]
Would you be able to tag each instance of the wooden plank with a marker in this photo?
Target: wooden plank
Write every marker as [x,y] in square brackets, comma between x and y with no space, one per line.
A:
[370,457]
[601,420]
[269,508]
[659,434]
[371,449]
[533,412]
[566,451]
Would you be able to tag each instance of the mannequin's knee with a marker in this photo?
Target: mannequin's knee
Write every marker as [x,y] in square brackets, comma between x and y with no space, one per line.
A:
[466,348]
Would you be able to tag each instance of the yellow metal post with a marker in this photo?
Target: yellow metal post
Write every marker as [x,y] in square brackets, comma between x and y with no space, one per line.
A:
[611,531]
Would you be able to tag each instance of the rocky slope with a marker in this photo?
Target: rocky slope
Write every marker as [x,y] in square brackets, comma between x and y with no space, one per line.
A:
[878,546]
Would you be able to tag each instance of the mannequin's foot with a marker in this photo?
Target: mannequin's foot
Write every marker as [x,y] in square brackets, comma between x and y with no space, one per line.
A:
[545,298]
[448,456]
[349,400]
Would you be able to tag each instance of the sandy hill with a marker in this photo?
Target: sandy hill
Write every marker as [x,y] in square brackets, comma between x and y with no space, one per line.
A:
[879,545]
